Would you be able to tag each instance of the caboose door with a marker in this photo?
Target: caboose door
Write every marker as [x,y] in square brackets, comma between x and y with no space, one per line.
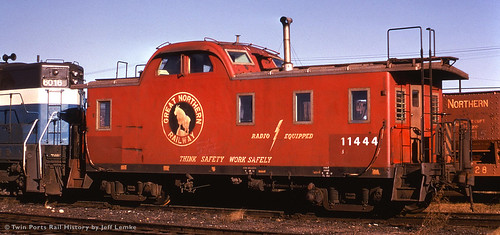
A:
[415,121]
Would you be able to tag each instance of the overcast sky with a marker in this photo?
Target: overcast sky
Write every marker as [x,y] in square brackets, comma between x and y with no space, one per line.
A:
[96,34]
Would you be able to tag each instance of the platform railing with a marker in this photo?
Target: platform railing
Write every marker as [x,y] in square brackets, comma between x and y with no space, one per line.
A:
[51,118]
[25,142]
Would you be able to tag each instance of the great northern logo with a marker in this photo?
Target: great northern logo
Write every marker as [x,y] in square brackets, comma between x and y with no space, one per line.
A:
[182,119]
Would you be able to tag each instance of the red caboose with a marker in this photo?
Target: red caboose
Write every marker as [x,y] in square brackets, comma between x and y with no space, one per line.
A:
[352,135]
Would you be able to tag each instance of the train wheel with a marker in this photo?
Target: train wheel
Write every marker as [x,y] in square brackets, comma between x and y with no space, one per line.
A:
[385,208]
[416,207]
[419,206]
[163,199]
[388,210]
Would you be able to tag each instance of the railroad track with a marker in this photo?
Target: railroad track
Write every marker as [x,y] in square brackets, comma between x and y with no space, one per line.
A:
[470,219]
[248,212]
[180,208]
[456,219]
[22,223]
[210,220]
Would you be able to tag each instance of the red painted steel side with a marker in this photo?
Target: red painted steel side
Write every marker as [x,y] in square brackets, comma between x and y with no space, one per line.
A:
[141,113]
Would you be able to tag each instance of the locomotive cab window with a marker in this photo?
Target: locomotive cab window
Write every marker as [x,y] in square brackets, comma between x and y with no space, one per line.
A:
[239,57]
[359,105]
[302,107]
[170,64]
[103,114]
[246,108]
[200,63]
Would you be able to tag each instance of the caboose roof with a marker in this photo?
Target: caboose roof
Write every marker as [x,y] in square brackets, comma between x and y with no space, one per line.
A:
[209,43]
[442,68]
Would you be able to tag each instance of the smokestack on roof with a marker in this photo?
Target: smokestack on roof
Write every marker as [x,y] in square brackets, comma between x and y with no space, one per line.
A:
[286,21]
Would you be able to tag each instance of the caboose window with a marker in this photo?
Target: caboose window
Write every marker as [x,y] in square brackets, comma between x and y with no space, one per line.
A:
[239,57]
[245,108]
[400,106]
[104,114]
[435,108]
[170,64]
[279,63]
[302,107]
[359,105]
[414,98]
[200,63]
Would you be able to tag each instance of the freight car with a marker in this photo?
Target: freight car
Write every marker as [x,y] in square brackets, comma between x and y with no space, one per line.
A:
[35,141]
[482,109]
[351,137]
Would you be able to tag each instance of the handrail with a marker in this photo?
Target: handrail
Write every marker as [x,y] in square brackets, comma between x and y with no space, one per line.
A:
[163,44]
[432,32]
[405,28]
[40,141]
[126,68]
[22,101]
[136,66]
[24,145]
[422,84]
[464,143]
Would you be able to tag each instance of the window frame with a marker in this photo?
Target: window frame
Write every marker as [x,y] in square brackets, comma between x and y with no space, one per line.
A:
[239,63]
[295,107]
[435,108]
[368,106]
[275,60]
[188,58]
[238,109]
[415,98]
[162,57]
[98,115]
[403,118]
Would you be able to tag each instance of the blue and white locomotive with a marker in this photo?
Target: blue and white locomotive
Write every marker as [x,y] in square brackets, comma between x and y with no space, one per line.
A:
[35,135]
